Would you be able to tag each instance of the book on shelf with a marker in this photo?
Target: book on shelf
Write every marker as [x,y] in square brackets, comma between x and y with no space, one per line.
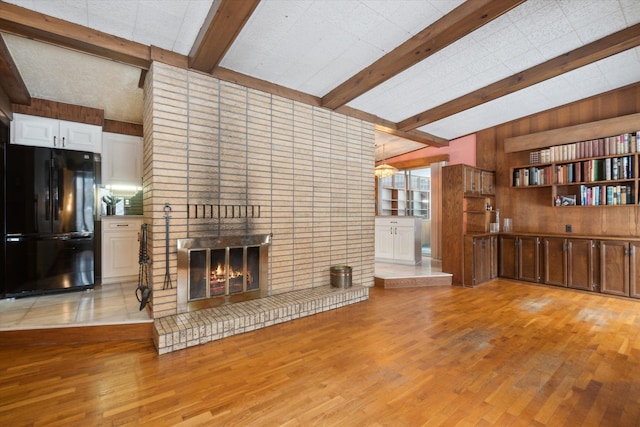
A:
[531,176]
[609,146]
[605,195]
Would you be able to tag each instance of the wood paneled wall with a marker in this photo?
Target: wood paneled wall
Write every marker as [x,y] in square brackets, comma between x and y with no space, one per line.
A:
[531,209]
[125,128]
[61,111]
[436,210]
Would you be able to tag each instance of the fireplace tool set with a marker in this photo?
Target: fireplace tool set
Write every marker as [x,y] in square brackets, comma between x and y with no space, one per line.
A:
[143,292]
[167,276]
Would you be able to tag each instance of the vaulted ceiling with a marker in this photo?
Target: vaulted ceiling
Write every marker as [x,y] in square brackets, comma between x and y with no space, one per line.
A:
[424,71]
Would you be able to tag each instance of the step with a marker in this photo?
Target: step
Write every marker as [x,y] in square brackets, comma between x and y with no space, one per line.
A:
[184,330]
[441,279]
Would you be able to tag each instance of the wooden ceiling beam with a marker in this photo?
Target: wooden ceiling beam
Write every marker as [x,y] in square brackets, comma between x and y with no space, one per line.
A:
[592,52]
[12,87]
[420,163]
[6,112]
[464,19]
[417,136]
[225,20]
[37,26]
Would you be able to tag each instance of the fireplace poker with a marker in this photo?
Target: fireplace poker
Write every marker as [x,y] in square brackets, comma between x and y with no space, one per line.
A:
[167,276]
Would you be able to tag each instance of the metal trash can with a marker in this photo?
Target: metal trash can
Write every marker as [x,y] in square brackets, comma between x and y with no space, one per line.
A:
[341,276]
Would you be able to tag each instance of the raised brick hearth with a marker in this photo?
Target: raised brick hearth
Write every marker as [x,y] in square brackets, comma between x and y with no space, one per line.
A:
[184,330]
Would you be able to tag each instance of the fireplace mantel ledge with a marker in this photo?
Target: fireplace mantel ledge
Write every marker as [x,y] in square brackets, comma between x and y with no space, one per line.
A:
[184,330]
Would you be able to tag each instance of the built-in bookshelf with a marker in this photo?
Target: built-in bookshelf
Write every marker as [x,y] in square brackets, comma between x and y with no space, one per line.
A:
[404,194]
[596,172]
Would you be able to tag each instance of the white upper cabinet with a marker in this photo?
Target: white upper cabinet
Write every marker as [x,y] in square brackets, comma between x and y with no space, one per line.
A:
[121,159]
[32,130]
[81,136]
[53,133]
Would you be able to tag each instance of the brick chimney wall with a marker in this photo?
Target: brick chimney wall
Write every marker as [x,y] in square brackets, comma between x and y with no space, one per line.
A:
[308,170]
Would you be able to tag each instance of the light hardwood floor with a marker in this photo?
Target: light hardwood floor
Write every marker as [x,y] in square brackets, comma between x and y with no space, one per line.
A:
[501,354]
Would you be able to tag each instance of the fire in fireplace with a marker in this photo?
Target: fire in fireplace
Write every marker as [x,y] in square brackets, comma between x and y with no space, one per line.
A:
[216,270]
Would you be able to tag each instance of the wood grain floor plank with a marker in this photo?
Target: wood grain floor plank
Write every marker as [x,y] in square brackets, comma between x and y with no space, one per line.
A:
[502,354]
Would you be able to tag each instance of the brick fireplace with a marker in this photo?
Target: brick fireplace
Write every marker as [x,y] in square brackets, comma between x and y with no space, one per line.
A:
[270,166]
[217,270]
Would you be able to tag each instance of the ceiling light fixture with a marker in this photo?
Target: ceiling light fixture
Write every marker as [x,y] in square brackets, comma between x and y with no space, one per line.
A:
[384,170]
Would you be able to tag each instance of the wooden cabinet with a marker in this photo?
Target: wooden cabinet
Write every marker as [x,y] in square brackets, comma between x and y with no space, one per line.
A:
[508,257]
[476,216]
[488,183]
[493,268]
[465,211]
[554,261]
[614,264]
[477,181]
[529,258]
[634,269]
[472,180]
[607,266]
[120,248]
[583,268]
[571,263]
[520,257]
[399,239]
[121,159]
[483,253]
[53,133]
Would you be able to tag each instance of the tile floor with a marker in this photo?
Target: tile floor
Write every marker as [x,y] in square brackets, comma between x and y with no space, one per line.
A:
[429,267]
[104,305]
[116,303]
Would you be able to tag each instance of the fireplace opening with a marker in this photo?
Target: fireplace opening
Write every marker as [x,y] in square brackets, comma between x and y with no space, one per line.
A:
[217,270]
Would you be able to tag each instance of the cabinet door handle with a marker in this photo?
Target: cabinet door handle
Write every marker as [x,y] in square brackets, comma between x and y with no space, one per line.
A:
[63,141]
[54,141]
[391,230]
[122,225]
[396,231]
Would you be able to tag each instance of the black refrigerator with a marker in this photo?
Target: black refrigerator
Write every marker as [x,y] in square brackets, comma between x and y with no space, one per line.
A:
[48,220]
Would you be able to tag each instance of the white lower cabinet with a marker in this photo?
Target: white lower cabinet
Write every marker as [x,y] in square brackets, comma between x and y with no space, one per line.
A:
[120,248]
[399,239]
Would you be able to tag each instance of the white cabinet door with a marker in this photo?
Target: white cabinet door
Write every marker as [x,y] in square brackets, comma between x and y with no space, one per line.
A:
[35,131]
[80,137]
[121,159]
[404,243]
[384,241]
[120,248]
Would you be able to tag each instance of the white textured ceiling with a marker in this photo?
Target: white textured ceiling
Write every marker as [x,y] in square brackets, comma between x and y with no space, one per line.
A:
[63,75]
[314,45]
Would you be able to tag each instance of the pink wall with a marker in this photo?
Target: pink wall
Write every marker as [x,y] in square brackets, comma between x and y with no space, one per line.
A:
[461,150]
